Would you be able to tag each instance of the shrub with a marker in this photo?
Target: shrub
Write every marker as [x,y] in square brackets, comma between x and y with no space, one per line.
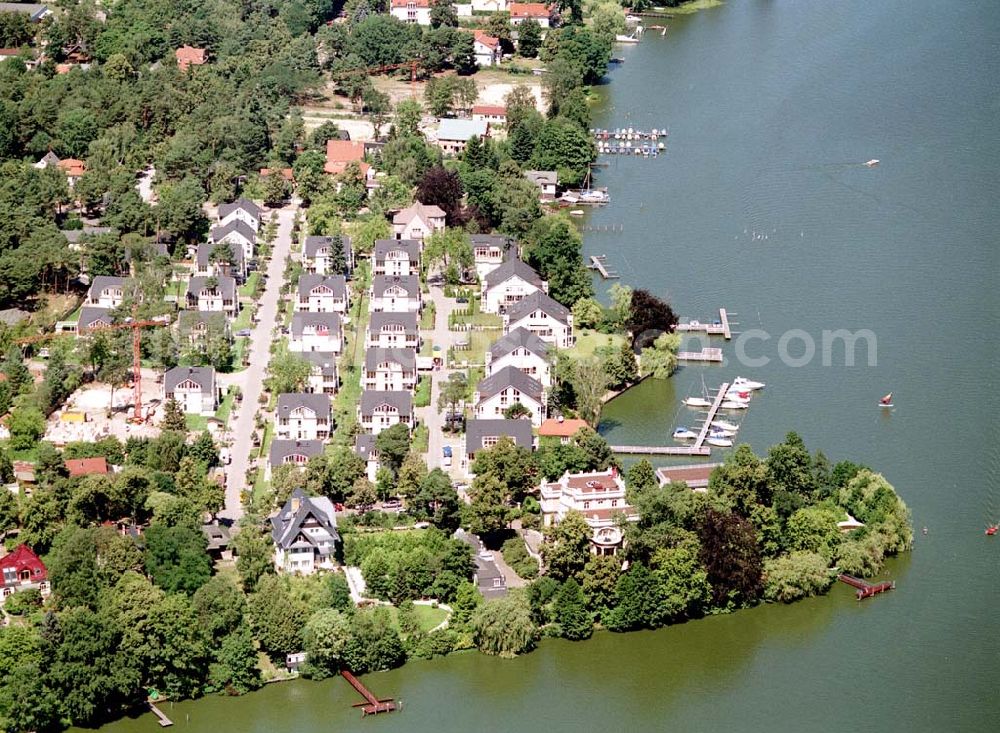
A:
[515,554]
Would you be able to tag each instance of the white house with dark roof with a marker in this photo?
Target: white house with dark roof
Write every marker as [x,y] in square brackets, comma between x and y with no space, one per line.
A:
[378,411]
[318,253]
[484,434]
[304,533]
[395,294]
[510,385]
[290,452]
[396,257]
[522,350]
[599,496]
[323,379]
[92,317]
[390,370]
[193,388]
[322,293]
[490,251]
[390,330]
[547,182]
[237,231]
[316,332]
[552,322]
[418,221]
[509,283]
[454,134]
[243,210]
[235,267]
[364,446]
[303,416]
[107,291]
[216,297]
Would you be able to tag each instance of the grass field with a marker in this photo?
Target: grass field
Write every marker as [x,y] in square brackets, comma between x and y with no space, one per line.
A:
[427,616]
[422,395]
[249,288]
[588,341]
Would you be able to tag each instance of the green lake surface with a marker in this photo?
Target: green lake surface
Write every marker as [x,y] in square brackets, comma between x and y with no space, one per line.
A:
[772,107]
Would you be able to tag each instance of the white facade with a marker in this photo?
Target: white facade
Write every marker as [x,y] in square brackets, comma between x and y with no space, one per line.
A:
[418,221]
[532,364]
[549,329]
[388,375]
[489,6]
[193,398]
[395,298]
[241,214]
[412,11]
[377,414]
[317,337]
[304,423]
[598,496]
[398,260]
[322,299]
[492,408]
[508,292]
[392,335]
[214,301]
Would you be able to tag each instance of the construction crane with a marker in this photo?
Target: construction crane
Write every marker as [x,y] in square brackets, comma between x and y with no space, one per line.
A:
[131,324]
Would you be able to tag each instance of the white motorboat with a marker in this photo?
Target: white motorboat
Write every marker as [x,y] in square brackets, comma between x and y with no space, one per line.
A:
[739,395]
[719,442]
[733,405]
[723,425]
[684,434]
[696,402]
[718,433]
[743,383]
[872,163]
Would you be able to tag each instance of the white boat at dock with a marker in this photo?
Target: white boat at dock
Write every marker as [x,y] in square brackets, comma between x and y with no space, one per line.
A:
[743,383]
[723,425]
[734,405]
[873,162]
[719,433]
[684,434]
[696,402]
[576,212]
[719,442]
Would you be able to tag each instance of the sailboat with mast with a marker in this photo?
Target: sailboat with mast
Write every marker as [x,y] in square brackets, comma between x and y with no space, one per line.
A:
[886,401]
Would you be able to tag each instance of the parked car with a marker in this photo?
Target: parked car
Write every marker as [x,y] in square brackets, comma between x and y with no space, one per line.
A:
[243,332]
[392,504]
[461,299]
[446,458]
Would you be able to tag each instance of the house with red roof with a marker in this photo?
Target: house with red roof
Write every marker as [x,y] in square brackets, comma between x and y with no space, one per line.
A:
[341,153]
[495,114]
[411,11]
[188,56]
[560,427]
[20,570]
[87,466]
[73,168]
[599,496]
[486,48]
[540,12]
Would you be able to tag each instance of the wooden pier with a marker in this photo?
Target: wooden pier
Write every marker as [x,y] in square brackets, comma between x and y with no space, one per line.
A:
[707,354]
[698,448]
[599,263]
[866,589]
[372,705]
[719,328]
[161,717]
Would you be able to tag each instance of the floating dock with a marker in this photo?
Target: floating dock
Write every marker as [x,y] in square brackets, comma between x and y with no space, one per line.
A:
[707,354]
[717,328]
[599,263]
[372,705]
[866,589]
[161,717]
[698,448]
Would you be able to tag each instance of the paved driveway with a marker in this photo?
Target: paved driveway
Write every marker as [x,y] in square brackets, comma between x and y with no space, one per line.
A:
[251,379]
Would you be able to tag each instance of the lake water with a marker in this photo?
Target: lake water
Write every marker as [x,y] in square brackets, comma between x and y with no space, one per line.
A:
[772,107]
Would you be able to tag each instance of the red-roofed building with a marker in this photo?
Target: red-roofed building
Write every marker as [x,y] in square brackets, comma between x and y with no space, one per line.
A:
[339,153]
[486,48]
[696,476]
[411,11]
[73,169]
[287,173]
[520,12]
[560,428]
[599,496]
[22,569]
[495,114]
[188,56]
[87,466]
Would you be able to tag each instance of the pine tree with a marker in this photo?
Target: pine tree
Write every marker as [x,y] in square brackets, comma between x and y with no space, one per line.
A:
[571,612]
[173,416]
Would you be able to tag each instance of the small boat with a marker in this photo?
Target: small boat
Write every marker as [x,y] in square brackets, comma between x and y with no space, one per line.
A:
[886,401]
[872,163]
[992,530]
[738,394]
[733,405]
[576,212]
[696,402]
[723,425]
[719,442]
[744,383]
[719,433]
[684,434]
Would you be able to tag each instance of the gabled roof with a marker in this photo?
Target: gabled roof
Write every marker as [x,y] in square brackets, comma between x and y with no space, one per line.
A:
[372,399]
[513,268]
[461,130]
[406,358]
[318,403]
[281,449]
[695,476]
[87,466]
[481,36]
[537,301]
[529,10]
[492,240]
[341,152]
[21,559]
[91,316]
[380,319]
[543,178]
[415,3]
[509,377]
[492,110]
[314,243]
[336,283]
[409,283]
[226,286]
[287,523]
[519,338]
[203,376]
[415,210]
[556,428]
[410,246]
[189,319]
[326,361]
[101,283]
[72,167]
[303,319]
[517,430]
[364,445]
[190,56]
[246,204]
[205,252]
[237,226]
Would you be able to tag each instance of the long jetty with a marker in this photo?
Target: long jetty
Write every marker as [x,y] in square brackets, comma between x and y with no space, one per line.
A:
[599,263]
[161,717]
[706,354]
[372,705]
[698,448]
[721,328]
[864,588]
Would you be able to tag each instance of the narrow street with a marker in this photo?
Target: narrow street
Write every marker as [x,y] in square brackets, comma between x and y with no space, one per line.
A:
[251,379]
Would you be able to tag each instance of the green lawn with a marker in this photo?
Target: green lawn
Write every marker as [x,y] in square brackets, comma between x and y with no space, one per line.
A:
[427,317]
[479,343]
[28,454]
[249,288]
[226,407]
[422,395]
[345,404]
[588,341]
[427,347]
[427,616]
[421,439]
[196,423]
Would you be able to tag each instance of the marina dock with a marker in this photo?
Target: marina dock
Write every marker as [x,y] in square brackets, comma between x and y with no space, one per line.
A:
[866,589]
[707,354]
[161,717]
[372,705]
[716,328]
[599,263]
[698,448]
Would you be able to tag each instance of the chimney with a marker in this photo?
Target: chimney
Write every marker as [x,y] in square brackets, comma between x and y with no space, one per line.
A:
[296,502]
